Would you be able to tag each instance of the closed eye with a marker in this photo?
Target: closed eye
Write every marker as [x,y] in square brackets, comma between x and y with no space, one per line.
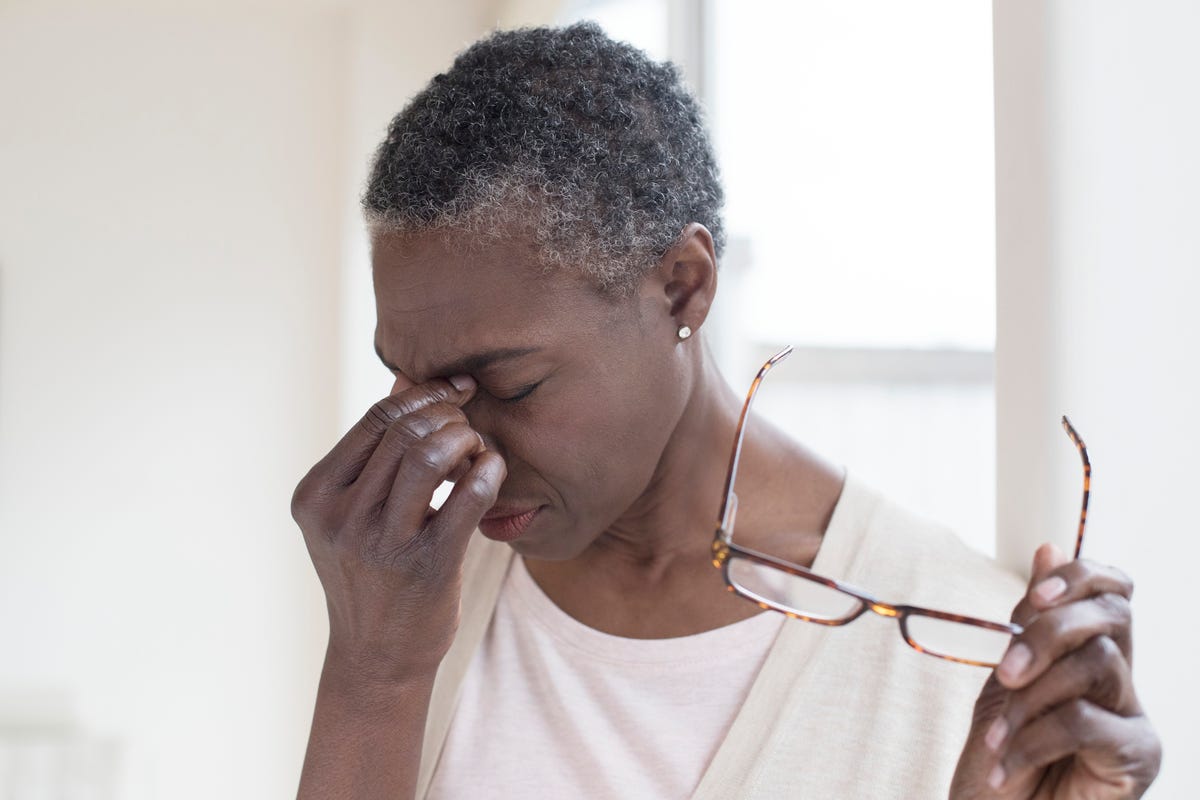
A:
[521,395]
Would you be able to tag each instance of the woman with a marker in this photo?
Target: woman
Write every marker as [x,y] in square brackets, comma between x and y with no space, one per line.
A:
[545,228]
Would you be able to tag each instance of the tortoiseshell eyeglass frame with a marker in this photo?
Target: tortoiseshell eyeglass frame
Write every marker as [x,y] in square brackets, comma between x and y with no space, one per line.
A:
[724,548]
[1087,481]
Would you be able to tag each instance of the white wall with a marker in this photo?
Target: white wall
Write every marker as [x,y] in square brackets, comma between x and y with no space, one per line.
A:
[168,223]
[185,323]
[1098,270]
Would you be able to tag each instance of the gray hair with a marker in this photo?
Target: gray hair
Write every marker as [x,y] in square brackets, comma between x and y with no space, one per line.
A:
[584,143]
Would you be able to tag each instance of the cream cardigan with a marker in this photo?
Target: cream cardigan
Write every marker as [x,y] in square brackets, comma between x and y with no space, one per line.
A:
[845,712]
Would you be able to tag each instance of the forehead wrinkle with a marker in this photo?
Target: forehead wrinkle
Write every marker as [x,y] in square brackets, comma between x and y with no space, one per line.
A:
[477,362]
[469,364]
[422,303]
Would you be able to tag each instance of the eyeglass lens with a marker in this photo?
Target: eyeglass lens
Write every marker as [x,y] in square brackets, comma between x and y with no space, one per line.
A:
[813,600]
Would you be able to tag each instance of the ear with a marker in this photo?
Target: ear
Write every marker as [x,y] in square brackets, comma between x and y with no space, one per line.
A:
[685,280]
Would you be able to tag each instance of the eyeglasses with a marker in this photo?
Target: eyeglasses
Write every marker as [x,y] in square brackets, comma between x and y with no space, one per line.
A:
[779,585]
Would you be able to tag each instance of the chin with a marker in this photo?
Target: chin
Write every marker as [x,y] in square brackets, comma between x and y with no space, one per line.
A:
[551,542]
[541,549]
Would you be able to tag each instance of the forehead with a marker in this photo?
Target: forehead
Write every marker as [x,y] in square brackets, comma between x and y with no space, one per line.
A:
[439,299]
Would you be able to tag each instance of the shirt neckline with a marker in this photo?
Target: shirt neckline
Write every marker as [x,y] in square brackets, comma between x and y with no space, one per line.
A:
[729,642]
[841,555]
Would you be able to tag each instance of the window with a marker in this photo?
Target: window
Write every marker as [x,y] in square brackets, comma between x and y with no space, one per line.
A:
[856,142]
[856,145]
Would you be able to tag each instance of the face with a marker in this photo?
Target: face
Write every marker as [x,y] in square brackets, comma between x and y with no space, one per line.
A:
[578,392]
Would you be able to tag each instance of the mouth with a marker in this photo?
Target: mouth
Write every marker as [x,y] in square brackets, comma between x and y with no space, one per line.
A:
[506,523]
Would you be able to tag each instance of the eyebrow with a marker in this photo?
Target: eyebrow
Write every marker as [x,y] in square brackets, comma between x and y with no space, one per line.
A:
[472,363]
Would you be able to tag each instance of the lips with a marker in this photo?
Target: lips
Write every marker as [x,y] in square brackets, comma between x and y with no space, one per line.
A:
[499,511]
[506,523]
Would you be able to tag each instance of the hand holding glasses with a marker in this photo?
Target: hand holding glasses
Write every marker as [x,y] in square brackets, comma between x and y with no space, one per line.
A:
[780,585]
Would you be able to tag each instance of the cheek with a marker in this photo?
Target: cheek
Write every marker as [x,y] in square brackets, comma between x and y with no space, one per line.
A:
[596,448]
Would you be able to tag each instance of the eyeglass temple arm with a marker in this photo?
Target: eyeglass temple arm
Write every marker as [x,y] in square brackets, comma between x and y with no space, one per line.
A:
[1087,480]
[729,503]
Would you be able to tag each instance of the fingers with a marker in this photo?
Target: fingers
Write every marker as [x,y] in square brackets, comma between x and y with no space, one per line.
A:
[372,485]
[1077,580]
[1046,559]
[440,544]
[1122,752]
[1097,672]
[423,467]
[474,493]
[348,457]
[1070,698]
[1063,609]
[1058,631]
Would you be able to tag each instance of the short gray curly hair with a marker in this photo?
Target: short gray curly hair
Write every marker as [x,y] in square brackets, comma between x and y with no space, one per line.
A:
[585,143]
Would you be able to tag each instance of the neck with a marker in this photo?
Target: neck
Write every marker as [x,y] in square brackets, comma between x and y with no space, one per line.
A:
[678,509]
[649,575]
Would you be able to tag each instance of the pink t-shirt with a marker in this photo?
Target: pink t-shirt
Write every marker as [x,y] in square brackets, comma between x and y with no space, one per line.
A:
[551,708]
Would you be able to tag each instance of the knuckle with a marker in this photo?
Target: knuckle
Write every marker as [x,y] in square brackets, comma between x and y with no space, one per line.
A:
[385,412]
[480,491]
[379,417]
[1104,575]
[1054,626]
[1125,582]
[1075,718]
[301,502]
[1117,608]
[426,394]
[418,426]
[461,432]
[423,561]
[498,464]
[1103,650]
[1153,750]
[1103,660]
[410,428]
[425,458]
[308,502]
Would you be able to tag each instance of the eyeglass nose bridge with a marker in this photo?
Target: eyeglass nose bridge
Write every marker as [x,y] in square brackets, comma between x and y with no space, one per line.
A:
[882,609]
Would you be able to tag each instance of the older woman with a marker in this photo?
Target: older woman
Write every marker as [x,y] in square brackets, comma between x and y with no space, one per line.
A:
[546,229]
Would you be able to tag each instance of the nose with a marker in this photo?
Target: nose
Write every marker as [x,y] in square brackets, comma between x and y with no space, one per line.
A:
[481,422]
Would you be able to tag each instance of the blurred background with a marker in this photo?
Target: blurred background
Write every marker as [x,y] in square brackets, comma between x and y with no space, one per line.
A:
[968,220]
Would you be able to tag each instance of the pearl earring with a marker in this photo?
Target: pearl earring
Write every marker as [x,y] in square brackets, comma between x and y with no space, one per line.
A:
[684,332]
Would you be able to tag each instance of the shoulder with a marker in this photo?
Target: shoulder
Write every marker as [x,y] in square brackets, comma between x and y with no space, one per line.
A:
[926,562]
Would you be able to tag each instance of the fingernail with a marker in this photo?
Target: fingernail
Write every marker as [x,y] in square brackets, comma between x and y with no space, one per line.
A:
[462,382]
[1050,589]
[996,733]
[996,778]
[1016,660]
